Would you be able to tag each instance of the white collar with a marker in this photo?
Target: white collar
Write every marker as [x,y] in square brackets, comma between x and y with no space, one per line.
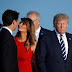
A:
[38,30]
[59,34]
[7,29]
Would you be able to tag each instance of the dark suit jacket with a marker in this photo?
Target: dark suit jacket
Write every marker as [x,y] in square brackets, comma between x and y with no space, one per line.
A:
[42,32]
[8,52]
[48,54]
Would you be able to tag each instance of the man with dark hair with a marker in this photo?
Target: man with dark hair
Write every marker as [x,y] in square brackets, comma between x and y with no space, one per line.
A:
[8,49]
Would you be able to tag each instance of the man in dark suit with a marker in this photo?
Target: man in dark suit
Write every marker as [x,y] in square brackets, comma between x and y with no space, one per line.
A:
[8,49]
[54,50]
[35,17]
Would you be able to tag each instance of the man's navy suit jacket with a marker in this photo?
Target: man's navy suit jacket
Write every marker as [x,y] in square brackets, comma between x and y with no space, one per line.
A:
[8,52]
[48,54]
[42,32]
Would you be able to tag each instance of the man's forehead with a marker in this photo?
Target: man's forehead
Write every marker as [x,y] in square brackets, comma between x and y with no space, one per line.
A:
[32,16]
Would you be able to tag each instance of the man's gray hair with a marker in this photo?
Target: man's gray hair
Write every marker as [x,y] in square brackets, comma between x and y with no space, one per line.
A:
[34,12]
[60,17]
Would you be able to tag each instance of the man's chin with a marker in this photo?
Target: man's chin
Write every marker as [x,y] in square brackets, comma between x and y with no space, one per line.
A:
[62,32]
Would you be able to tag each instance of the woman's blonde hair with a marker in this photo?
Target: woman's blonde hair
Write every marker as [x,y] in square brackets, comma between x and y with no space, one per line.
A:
[30,32]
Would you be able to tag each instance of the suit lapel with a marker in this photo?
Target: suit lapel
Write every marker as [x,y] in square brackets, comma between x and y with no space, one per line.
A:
[69,47]
[41,31]
[57,46]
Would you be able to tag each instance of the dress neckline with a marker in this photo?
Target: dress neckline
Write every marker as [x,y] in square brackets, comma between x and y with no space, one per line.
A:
[19,41]
[23,43]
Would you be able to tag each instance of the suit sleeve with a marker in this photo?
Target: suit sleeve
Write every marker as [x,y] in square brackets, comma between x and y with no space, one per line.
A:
[41,54]
[8,57]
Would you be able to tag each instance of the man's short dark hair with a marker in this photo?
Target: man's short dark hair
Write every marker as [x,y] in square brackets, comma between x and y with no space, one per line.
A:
[8,17]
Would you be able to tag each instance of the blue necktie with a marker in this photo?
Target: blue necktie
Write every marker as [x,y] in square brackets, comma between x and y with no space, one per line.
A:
[62,48]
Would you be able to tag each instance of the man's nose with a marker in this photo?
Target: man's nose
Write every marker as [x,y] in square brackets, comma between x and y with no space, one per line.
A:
[62,25]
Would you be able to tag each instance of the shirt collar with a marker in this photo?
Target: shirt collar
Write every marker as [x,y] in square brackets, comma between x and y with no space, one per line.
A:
[7,29]
[59,34]
[38,30]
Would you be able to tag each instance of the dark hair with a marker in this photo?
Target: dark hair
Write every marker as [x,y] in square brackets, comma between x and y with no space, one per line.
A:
[8,17]
[30,32]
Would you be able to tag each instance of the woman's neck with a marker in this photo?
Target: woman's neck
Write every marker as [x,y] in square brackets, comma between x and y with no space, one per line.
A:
[22,37]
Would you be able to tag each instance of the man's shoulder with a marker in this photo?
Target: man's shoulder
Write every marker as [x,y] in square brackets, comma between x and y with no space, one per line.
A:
[4,32]
[5,35]
[44,31]
[68,34]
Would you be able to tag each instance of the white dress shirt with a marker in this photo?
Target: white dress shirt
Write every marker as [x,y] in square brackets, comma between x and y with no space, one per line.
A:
[64,39]
[7,29]
[37,33]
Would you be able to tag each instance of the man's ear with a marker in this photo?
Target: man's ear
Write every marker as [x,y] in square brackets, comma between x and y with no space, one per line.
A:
[39,21]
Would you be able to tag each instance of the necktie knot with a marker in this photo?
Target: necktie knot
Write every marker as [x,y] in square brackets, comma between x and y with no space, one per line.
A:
[61,35]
